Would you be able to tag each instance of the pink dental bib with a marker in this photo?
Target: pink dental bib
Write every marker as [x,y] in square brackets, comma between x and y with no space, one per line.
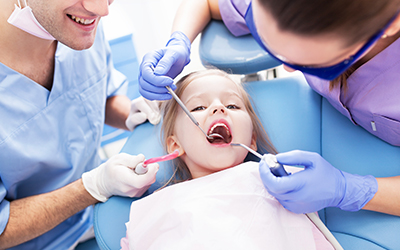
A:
[229,209]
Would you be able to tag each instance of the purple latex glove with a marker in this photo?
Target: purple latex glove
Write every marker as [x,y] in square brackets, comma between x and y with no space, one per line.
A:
[160,67]
[318,186]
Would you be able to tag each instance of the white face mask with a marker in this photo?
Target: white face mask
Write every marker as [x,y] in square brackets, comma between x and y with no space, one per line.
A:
[24,19]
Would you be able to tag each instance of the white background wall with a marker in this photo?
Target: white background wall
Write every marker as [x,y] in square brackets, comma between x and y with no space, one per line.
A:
[150,21]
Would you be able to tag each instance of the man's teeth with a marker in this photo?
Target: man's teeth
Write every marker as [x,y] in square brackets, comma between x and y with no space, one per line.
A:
[82,21]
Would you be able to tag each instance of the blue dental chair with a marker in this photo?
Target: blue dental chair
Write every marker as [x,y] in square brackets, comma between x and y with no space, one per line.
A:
[295,117]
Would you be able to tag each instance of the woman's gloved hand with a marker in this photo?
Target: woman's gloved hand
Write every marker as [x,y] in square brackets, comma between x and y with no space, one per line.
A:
[318,186]
[117,177]
[160,67]
[142,110]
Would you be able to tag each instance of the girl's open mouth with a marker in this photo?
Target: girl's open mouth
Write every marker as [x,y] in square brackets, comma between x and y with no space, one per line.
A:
[220,133]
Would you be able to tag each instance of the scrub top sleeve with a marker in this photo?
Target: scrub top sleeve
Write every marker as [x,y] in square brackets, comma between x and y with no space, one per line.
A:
[4,208]
[117,83]
[232,12]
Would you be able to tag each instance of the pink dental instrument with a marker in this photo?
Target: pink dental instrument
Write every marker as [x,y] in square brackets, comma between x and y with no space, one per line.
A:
[141,168]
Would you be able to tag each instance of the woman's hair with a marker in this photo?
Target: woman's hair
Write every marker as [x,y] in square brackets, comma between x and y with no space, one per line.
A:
[354,20]
[170,108]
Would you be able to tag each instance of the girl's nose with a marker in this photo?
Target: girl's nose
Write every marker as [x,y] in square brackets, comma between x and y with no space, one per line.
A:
[218,109]
[97,7]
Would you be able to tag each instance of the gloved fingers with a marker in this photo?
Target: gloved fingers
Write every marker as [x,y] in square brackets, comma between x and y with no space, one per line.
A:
[166,62]
[135,119]
[154,96]
[278,185]
[154,83]
[128,160]
[131,179]
[150,176]
[147,67]
[152,87]
[294,207]
[155,116]
[149,108]
[297,157]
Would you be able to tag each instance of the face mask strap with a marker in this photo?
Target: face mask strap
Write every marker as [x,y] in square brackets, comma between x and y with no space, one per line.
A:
[20,6]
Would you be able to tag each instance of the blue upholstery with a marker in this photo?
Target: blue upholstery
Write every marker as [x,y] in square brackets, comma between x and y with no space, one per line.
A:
[236,55]
[88,245]
[295,118]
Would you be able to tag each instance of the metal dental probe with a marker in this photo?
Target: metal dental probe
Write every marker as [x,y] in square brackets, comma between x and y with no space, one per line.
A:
[276,168]
[187,111]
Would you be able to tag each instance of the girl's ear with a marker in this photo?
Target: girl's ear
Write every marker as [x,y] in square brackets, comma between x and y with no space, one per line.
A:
[173,144]
[254,142]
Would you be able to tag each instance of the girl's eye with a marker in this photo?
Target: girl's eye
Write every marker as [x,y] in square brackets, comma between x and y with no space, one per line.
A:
[232,106]
[198,108]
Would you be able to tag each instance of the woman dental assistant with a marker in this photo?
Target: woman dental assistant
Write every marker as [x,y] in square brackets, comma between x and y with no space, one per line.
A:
[349,53]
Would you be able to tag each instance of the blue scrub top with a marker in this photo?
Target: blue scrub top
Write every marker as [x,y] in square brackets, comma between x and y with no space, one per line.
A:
[49,138]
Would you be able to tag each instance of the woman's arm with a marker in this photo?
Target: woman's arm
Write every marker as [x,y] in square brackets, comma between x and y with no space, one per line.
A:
[387,198]
[33,216]
[193,15]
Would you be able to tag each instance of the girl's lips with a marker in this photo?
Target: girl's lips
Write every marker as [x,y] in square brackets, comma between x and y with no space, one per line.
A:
[220,133]
[223,121]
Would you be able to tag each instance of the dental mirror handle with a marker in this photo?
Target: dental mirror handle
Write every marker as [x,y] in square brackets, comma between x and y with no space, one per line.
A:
[178,100]
[182,105]
[276,168]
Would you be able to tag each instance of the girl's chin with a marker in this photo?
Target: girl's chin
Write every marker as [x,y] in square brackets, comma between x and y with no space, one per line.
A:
[222,145]
[226,163]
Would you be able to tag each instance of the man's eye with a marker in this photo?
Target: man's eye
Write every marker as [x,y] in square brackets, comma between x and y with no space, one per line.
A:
[198,108]
[232,106]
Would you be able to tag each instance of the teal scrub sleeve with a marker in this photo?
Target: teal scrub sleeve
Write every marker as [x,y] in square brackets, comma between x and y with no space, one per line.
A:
[117,83]
[4,208]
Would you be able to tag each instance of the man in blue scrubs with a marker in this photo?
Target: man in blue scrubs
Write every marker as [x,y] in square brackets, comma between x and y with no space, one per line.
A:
[57,87]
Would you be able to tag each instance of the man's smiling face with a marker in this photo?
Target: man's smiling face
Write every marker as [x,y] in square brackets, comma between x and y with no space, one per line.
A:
[71,22]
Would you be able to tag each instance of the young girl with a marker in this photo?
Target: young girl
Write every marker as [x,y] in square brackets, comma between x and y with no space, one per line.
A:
[224,205]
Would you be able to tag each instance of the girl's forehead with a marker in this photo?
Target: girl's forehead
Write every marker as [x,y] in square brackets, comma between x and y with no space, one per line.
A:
[211,84]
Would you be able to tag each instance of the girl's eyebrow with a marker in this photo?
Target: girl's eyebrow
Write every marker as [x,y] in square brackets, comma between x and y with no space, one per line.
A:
[200,95]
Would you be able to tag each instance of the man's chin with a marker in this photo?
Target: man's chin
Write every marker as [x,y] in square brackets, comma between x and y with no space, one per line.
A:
[80,46]
[80,43]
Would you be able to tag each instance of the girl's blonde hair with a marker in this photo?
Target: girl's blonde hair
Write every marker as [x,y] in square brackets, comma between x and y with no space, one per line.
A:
[170,108]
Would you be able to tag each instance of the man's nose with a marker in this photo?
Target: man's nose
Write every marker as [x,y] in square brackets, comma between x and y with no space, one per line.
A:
[97,7]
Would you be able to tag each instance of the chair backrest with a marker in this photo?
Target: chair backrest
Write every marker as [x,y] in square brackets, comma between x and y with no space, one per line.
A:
[236,55]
